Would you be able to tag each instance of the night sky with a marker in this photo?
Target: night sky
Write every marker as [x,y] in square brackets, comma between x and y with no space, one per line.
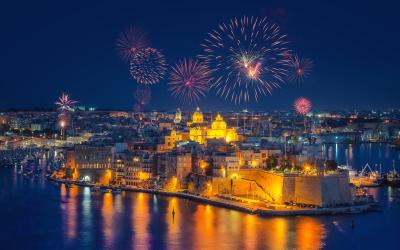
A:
[50,47]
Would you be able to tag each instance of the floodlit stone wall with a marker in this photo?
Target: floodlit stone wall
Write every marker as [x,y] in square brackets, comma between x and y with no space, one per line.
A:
[323,191]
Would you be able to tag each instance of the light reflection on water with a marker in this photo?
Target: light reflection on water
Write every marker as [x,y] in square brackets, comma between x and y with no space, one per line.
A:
[357,155]
[54,217]
[195,226]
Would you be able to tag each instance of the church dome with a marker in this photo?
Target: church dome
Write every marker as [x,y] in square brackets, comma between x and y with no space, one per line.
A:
[197,116]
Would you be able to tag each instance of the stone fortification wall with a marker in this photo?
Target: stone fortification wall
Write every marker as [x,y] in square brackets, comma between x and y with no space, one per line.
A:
[324,191]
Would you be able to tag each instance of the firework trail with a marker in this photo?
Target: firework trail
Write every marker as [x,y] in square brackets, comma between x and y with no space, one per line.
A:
[64,104]
[130,42]
[137,107]
[142,95]
[189,80]
[148,66]
[300,68]
[302,105]
[248,58]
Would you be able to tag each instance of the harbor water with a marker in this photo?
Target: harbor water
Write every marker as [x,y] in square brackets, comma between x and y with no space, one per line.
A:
[38,214]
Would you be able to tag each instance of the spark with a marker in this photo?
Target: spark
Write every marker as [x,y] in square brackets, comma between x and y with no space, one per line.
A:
[302,105]
[189,80]
[247,57]
[148,66]
[65,104]
[300,68]
[130,42]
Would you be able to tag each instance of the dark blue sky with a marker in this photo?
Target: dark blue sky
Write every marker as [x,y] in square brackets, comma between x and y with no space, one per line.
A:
[49,47]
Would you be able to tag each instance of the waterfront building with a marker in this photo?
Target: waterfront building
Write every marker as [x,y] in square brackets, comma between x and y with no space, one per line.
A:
[90,163]
[183,168]
[138,170]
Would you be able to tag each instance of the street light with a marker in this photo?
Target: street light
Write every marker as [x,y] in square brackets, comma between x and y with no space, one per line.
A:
[62,125]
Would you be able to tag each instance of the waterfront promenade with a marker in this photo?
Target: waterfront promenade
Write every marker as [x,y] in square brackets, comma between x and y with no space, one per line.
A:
[240,204]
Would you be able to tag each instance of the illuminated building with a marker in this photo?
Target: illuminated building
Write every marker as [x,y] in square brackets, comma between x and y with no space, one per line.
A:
[137,170]
[178,116]
[90,161]
[170,141]
[183,167]
[118,114]
[219,130]
[200,132]
[197,118]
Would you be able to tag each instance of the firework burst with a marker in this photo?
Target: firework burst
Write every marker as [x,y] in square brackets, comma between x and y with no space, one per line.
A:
[189,80]
[302,105]
[137,107]
[148,66]
[142,95]
[130,42]
[64,104]
[300,68]
[248,58]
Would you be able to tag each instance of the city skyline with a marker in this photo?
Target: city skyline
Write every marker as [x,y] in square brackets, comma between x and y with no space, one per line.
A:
[66,49]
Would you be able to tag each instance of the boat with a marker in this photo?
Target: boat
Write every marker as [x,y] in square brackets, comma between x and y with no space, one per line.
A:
[367,177]
[393,177]
[105,190]
[116,191]
[94,188]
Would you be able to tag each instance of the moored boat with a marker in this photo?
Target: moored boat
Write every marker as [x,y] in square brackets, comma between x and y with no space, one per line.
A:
[105,190]
[393,177]
[116,191]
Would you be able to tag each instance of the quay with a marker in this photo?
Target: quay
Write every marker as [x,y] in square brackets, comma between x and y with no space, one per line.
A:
[246,207]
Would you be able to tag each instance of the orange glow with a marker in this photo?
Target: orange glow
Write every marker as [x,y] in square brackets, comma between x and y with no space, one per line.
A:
[307,167]
[253,72]
[107,212]
[203,164]
[250,234]
[173,223]
[310,234]
[141,221]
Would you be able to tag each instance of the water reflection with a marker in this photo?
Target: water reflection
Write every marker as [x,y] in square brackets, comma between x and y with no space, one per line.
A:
[68,201]
[357,155]
[173,222]
[310,234]
[140,221]
[107,212]
[87,216]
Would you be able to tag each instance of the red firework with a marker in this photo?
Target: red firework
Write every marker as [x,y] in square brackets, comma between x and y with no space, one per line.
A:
[137,107]
[130,41]
[302,105]
[300,68]
[189,80]
[142,95]
[65,104]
